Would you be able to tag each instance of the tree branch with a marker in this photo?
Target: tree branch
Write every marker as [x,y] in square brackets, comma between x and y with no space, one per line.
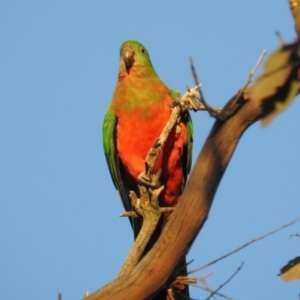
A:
[215,292]
[244,246]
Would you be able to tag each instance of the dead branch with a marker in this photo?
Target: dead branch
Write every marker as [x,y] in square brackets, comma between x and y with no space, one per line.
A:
[244,246]
[222,285]
[212,111]
[294,234]
[208,289]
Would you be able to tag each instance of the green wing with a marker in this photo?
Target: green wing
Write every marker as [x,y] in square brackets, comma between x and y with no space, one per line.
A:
[186,117]
[187,154]
[114,165]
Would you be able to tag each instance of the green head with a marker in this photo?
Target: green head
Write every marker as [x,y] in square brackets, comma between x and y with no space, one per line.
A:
[135,59]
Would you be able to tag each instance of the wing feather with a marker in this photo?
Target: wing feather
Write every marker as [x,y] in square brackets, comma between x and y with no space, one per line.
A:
[116,168]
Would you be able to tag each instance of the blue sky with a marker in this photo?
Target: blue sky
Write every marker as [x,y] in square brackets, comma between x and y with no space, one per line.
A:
[59,223]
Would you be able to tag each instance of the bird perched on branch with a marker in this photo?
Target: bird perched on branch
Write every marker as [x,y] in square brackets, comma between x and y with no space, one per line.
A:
[139,110]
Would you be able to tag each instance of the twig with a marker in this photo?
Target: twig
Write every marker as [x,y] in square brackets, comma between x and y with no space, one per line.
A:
[243,246]
[222,285]
[252,72]
[232,106]
[229,109]
[295,234]
[280,38]
[207,288]
[250,76]
[214,112]
[192,281]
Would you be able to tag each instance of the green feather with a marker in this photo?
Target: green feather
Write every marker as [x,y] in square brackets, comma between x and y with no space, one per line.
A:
[187,156]
[108,135]
[112,159]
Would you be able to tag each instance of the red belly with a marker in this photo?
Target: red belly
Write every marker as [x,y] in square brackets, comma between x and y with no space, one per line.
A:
[136,135]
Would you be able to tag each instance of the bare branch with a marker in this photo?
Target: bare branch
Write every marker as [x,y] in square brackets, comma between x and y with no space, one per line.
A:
[224,114]
[193,281]
[208,289]
[295,234]
[280,38]
[245,245]
[222,285]
[237,100]
[214,112]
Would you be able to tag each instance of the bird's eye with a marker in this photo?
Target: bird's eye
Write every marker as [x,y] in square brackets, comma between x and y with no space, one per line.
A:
[143,50]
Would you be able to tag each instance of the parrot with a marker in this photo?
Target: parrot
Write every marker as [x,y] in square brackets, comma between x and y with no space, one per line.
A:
[140,108]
